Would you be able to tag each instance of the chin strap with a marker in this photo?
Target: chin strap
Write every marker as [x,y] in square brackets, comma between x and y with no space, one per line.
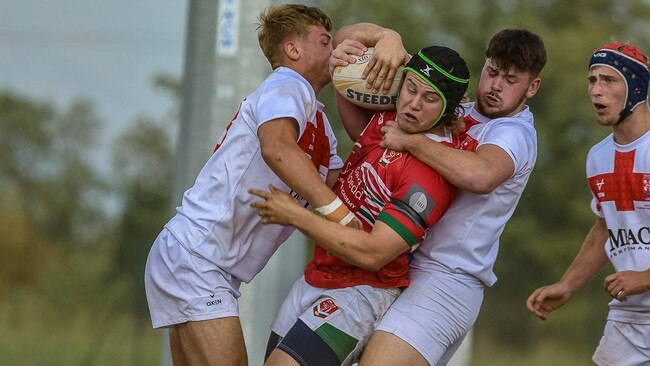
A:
[624,114]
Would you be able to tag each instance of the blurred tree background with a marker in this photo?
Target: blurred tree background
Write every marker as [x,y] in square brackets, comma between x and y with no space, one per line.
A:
[71,270]
[71,288]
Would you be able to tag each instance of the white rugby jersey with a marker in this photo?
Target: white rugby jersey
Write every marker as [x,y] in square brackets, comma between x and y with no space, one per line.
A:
[466,238]
[215,220]
[619,179]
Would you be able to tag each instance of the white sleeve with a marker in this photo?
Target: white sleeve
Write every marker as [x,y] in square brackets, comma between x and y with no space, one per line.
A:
[285,98]
[518,140]
[595,206]
[596,209]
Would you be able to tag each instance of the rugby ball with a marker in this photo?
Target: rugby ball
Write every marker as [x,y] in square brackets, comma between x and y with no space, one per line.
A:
[348,82]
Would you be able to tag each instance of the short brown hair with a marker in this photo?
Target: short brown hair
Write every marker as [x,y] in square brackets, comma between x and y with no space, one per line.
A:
[518,48]
[278,22]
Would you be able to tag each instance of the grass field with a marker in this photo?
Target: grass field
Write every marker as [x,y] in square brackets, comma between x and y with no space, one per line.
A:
[543,354]
[34,332]
[80,342]
[116,343]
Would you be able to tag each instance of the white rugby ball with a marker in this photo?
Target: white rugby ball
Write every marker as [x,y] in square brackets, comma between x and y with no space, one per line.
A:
[348,82]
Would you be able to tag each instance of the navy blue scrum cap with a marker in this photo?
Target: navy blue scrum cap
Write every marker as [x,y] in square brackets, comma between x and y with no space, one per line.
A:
[632,65]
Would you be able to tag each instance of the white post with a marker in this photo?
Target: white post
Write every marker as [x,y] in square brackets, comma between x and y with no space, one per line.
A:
[193,145]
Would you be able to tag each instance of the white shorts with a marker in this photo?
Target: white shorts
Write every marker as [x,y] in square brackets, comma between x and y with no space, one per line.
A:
[353,311]
[182,287]
[623,344]
[435,312]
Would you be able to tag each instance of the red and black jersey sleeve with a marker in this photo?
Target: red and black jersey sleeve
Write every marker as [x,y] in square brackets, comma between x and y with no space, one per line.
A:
[419,198]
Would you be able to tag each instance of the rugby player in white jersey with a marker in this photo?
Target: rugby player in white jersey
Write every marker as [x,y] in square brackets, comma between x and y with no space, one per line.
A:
[279,136]
[454,263]
[618,172]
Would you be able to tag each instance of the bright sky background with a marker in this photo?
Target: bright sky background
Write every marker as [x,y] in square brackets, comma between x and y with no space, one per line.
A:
[108,51]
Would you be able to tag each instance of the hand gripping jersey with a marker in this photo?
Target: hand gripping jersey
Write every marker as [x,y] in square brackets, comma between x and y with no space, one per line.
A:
[619,179]
[466,239]
[392,187]
[215,220]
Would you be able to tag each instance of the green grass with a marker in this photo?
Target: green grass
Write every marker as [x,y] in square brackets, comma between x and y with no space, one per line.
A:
[544,353]
[27,339]
[87,343]
[36,332]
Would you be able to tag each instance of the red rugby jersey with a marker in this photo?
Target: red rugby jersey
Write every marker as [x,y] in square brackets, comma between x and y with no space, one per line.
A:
[392,187]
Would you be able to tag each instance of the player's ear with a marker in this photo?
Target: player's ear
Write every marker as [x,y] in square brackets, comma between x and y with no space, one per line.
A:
[291,50]
[533,87]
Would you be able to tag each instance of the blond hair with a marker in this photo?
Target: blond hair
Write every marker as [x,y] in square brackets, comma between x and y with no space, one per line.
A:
[277,23]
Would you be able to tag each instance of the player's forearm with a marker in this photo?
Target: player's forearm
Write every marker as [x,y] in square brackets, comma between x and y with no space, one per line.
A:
[464,169]
[646,280]
[590,259]
[354,246]
[289,162]
[332,177]
[295,169]
[367,33]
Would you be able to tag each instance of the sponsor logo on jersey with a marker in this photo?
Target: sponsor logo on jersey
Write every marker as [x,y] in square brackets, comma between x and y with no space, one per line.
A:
[325,308]
[623,237]
[646,186]
[419,200]
[629,241]
[363,191]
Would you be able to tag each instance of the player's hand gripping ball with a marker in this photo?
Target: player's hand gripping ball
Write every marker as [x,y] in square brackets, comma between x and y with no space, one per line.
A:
[348,82]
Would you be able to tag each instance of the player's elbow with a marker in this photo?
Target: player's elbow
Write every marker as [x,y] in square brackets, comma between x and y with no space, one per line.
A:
[477,183]
[481,188]
[373,262]
[370,266]
[272,153]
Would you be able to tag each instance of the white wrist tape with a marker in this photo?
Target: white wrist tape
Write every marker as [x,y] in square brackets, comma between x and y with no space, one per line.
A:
[330,207]
[346,220]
